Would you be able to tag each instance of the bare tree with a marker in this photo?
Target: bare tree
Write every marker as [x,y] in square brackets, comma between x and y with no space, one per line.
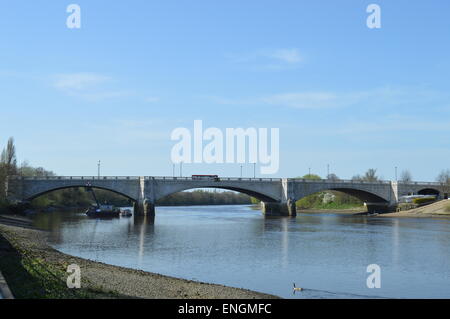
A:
[406,176]
[332,177]
[444,176]
[371,175]
[444,179]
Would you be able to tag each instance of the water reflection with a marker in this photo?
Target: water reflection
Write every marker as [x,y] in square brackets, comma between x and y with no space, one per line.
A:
[144,225]
[234,245]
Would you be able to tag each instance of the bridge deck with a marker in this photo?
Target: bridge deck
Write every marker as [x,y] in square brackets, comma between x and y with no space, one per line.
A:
[245,179]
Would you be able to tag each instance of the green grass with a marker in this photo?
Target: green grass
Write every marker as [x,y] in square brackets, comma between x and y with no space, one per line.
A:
[420,201]
[333,205]
[31,277]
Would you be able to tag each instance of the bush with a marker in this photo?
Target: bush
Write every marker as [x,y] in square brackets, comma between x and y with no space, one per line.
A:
[422,201]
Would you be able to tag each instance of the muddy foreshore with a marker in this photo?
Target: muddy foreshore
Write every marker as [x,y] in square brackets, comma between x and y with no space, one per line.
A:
[26,256]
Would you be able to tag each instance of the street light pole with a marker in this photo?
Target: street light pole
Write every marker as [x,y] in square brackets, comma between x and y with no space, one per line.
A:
[181,169]
[254,170]
[173,170]
[396,179]
[241,171]
[98,169]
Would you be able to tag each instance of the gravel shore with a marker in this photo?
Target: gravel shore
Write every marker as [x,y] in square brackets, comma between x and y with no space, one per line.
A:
[108,281]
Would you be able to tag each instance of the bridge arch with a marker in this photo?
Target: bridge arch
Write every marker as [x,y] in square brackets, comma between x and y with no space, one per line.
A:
[26,189]
[362,195]
[256,194]
[50,190]
[429,191]
[366,192]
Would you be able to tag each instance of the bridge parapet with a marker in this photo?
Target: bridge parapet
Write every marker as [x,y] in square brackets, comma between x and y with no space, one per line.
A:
[74,178]
[342,181]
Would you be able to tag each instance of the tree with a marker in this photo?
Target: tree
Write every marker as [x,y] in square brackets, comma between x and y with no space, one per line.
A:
[332,177]
[406,176]
[8,158]
[311,176]
[370,175]
[444,179]
[8,167]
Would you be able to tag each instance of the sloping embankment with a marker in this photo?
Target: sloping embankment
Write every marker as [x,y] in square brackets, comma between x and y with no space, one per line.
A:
[438,209]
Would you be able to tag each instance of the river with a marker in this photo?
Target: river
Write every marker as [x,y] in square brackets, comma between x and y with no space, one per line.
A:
[326,254]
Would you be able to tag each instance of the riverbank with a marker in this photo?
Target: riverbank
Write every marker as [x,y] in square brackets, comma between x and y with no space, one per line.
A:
[33,269]
[346,211]
[435,210]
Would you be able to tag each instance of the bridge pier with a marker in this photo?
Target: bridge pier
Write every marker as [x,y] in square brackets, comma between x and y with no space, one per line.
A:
[379,208]
[144,207]
[279,209]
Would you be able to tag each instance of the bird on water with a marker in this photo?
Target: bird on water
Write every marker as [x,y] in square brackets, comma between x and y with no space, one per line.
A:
[297,288]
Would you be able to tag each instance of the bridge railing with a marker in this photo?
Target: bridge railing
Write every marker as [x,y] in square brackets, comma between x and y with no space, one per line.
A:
[165,178]
[343,181]
[221,179]
[75,177]
[421,183]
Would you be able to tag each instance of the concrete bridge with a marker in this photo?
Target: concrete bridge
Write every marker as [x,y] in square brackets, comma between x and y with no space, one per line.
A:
[278,195]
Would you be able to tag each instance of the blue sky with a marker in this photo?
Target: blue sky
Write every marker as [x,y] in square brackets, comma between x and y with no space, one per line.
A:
[341,93]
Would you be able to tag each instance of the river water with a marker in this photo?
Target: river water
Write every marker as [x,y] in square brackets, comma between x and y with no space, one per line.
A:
[326,254]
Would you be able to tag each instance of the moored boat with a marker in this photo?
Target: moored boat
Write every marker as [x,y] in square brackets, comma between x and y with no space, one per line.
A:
[126,213]
[103,211]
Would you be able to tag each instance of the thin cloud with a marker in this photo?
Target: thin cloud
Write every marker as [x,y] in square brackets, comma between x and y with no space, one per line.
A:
[79,81]
[291,56]
[274,59]
[302,100]
[152,99]
[374,98]
[86,85]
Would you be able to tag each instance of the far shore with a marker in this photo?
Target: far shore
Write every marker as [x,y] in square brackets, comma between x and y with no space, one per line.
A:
[33,269]
[345,211]
[435,210]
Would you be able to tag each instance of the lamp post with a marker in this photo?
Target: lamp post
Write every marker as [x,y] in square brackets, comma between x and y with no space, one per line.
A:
[241,171]
[254,170]
[98,169]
